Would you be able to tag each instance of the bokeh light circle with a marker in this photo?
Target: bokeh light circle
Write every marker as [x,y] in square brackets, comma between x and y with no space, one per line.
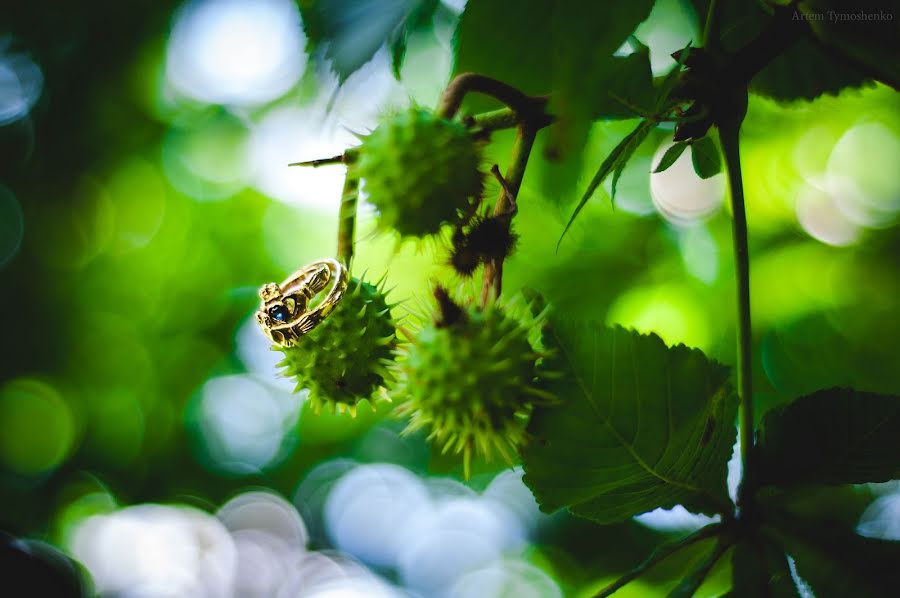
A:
[369,510]
[245,423]
[208,160]
[862,174]
[21,83]
[287,135]
[236,53]
[821,217]
[156,550]
[37,427]
[681,196]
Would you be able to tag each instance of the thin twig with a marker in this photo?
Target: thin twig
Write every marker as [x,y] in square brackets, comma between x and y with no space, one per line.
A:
[492,279]
[462,84]
[658,555]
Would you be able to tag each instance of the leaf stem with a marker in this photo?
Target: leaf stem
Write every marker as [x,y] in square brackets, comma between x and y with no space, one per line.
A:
[709,39]
[729,137]
[347,216]
[492,279]
[523,104]
[506,118]
[658,555]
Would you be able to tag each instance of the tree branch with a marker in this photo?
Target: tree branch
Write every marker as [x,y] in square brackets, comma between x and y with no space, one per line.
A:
[492,279]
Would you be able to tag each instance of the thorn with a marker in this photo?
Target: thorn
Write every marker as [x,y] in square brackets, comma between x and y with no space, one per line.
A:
[320,161]
[510,196]
[387,340]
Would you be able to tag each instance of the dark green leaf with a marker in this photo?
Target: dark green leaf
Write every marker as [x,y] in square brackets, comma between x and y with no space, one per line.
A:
[625,88]
[835,436]
[705,157]
[633,143]
[513,45]
[739,22]
[355,29]
[865,31]
[621,153]
[670,80]
[837,563]
[760,569]
[586,33]
[671,156]
[804,72]
[640,426]
[398,53]
[565,48]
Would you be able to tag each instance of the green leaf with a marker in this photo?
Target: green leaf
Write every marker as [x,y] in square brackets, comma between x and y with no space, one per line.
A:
[565,48]
[355,29]
[641,426]
[628,151]
[739,22]
[804,71]
[398,53]
[585,35]
[705,157]
[872,43]
[510,44]
[837,563]
[834,436]
[670,80]
[671,156]
[624,89]
[620,154]
[760,568]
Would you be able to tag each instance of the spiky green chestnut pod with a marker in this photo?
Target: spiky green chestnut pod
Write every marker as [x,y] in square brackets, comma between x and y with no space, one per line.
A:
[346,358]
[469,380]
[420,171]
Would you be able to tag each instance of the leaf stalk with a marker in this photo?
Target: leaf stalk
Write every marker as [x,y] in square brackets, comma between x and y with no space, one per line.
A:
[729,138]
[660,554]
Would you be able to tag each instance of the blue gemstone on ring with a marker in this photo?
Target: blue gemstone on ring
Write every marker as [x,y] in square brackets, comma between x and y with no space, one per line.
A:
[279,312]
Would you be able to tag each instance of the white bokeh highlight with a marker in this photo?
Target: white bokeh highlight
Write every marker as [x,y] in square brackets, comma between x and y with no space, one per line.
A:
[881,519]
[432,533]
[21,84]
[156,550]
[245,423]
[682,197]
[236,52]
[254,547]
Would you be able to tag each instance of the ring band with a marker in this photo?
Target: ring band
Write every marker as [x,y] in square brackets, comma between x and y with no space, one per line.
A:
[285,315]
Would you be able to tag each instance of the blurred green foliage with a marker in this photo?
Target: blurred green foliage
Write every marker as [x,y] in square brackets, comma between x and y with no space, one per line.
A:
[137,270]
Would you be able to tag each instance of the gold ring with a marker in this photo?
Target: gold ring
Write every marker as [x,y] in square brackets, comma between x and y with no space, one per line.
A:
[286,315]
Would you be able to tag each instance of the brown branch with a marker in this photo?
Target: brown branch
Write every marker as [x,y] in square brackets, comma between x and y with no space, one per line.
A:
[492,279]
